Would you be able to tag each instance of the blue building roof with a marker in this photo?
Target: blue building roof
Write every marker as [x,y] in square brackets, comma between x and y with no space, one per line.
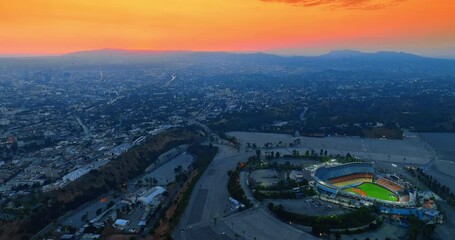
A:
[326,173]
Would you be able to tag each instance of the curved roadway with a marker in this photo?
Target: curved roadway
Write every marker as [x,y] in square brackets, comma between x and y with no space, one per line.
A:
[207,215]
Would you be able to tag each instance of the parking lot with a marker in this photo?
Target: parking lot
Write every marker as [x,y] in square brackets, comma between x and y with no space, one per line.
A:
[87,212]
[386,230]
[265,177]
[411,148]
[165,173]
[258,224]
[310,206]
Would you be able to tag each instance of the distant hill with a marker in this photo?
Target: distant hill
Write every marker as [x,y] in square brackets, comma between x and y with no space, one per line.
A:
[383,61]
[381,55]
[344,54]
[339,60]
[121,55]
[258,56]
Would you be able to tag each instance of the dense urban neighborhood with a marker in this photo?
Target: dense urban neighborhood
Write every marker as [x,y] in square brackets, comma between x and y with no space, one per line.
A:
[213,145]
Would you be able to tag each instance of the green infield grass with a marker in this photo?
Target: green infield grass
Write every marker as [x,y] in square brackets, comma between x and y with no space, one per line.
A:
[374,191]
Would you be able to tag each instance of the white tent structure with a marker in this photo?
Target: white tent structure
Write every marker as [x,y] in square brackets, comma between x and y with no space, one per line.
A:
[150,197]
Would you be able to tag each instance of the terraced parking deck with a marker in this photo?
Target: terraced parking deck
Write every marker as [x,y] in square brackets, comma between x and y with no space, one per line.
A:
[373,191]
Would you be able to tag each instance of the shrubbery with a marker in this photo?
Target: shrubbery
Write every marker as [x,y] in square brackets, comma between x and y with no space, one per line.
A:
[323,224]
[442,190]
[235,189]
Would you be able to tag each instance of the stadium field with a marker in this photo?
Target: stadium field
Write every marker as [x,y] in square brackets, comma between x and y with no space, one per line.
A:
[374,191]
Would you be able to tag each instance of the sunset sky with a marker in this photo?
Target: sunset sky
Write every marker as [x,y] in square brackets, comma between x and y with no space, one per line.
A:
[41,27]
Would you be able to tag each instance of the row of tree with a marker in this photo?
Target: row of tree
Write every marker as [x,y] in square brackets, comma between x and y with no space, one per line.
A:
[442,190]
[419,228]
[323,224]
[235,189]
[112,176]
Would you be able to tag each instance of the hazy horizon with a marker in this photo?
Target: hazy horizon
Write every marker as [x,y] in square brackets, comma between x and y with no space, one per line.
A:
[278,52]
[227,119]
[297,27]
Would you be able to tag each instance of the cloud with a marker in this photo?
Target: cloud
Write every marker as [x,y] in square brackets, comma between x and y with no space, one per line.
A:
[346,4]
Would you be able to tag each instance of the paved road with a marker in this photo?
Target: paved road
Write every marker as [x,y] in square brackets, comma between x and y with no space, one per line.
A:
[74,219]
[207,215]
[198,206]
[247,189]
[210,198]
[259,224]
[446,230]
[210,201]
[310,206]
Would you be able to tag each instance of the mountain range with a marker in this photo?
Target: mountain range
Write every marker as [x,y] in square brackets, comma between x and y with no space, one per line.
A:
[335,60]
[340,59]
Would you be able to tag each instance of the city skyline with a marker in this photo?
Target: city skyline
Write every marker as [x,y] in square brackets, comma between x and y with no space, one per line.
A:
[293,27]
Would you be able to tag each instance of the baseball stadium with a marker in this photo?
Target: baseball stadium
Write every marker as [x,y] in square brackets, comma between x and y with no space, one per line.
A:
[361,181]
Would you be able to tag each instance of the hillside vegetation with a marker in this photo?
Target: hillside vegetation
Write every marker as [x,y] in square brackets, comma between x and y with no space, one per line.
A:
[112,176]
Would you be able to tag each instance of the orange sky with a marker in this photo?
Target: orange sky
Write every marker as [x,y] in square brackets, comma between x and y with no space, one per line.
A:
[283,26]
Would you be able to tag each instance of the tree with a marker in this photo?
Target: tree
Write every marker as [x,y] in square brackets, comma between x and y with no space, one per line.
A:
[14,147]
[154,181]
[318,229]
[139,182]
[84,217]
[337,235]
[258,154]
[295,153]
[414,227]
[428,230]
[272,154]
[178,169]
[23,237]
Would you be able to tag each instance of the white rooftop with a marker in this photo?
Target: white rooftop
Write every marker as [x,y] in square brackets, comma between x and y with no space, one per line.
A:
[149,196]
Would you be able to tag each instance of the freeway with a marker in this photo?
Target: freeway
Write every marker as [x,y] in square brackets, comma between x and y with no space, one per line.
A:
[83,126]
